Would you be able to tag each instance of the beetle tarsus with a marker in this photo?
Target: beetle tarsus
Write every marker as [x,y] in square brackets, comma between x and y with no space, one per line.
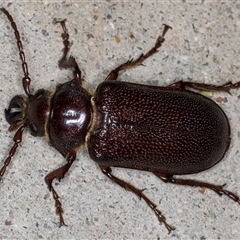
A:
[162,219]
[231,195]
[166,28]
[58,206]
[161,39]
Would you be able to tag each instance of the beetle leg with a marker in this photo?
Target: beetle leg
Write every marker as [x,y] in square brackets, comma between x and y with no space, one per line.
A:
[134,63]
[70,62]
[108,172]
[59,174]
[195,183]
[205,87]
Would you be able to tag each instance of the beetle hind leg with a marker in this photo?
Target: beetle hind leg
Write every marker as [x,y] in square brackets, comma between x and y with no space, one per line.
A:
[108,172]
[205,87]
[195,183]
[134,63]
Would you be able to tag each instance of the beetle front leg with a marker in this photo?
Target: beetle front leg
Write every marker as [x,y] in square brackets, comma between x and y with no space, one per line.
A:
[134,63]
[108,172]
[70,62]
[195,183]
[59,174]
[205,87]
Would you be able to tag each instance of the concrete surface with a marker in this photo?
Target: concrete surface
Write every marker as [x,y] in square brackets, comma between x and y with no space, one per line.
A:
[203,46]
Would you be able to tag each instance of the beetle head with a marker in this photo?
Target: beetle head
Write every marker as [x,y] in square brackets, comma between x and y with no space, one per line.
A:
[31,112]
[14,113]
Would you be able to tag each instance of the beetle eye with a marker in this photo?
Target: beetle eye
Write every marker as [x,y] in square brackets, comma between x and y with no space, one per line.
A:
[39,94]
[33,130]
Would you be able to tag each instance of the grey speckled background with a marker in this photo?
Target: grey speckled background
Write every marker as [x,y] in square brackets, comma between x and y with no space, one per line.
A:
[203,46]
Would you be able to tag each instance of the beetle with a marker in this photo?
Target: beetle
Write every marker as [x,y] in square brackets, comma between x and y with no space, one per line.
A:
[168,130]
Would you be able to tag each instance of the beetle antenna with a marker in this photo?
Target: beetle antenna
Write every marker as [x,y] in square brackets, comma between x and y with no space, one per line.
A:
[26,80]
[17,140]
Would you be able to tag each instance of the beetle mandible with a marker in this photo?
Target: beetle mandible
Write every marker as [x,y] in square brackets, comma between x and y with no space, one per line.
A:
[124,124]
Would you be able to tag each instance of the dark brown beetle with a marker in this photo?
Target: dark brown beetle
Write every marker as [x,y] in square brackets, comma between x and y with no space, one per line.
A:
[125,125]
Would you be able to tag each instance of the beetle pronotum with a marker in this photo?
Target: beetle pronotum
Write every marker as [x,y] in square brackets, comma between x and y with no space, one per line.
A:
[124,125]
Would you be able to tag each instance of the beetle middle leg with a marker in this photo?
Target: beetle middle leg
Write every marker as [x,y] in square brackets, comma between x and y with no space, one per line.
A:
[134,63]
[59,174]
[108,172]
[195,183]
